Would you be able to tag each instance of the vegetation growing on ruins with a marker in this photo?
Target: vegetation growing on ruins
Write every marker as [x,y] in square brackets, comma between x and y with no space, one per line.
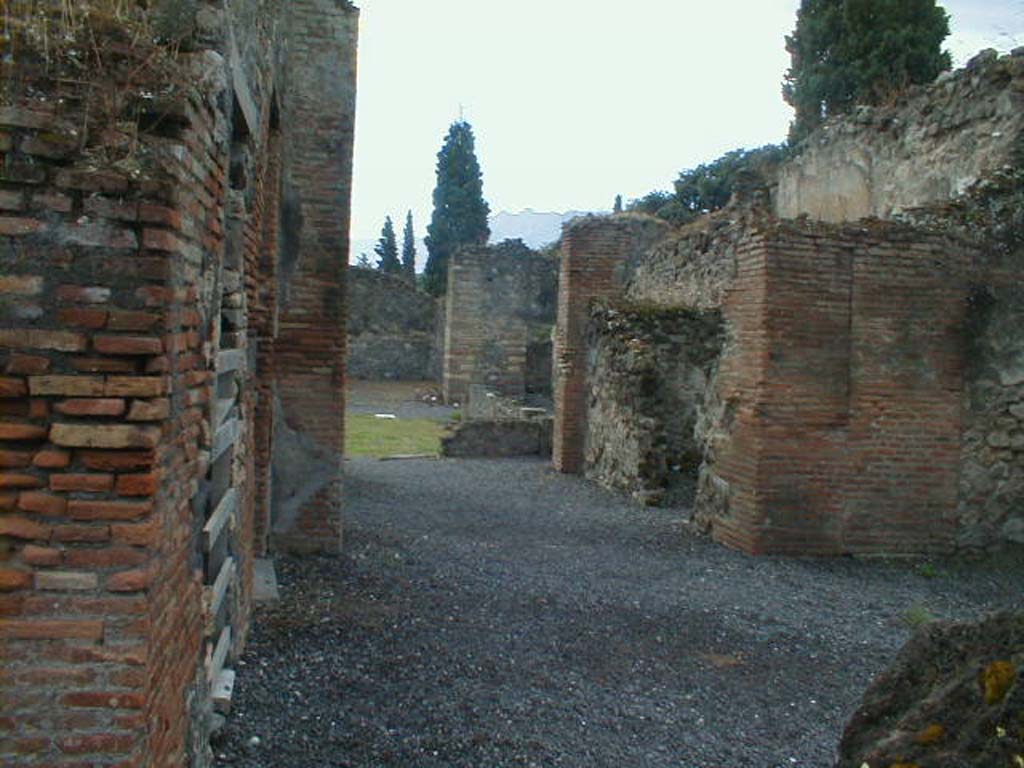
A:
[387,249]
[860,51]
[709,186]
[460,211]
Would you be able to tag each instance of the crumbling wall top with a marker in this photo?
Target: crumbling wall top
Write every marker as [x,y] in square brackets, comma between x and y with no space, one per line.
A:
[932,146]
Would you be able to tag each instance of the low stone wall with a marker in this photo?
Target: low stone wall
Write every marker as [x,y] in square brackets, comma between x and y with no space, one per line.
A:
[499,439]
[648,373]
[392,332]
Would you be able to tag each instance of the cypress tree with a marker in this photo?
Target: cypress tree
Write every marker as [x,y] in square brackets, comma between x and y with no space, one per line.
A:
[460,211]
[387,249]
[409,250]
[846,52]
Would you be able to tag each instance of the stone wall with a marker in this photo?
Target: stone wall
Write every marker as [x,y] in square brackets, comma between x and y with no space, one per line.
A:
[647,376]
[148,273]
[498,439]
[929,147]
[391,328]
[500,300]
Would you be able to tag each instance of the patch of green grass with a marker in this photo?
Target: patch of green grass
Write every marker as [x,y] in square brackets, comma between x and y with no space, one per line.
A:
[927,571]
[366,435]
[918,615]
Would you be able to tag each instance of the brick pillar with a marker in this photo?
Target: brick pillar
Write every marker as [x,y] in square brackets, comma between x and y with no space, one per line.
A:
[318,123]
[592,249]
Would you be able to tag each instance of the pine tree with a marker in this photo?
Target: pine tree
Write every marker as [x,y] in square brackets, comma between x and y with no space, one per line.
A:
[460,211]
[409,250]
[846,52]
[387,249]
[618,204]
[364,261]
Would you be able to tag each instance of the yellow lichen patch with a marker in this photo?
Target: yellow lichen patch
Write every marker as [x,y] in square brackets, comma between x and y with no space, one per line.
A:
[996,680]
[932,734]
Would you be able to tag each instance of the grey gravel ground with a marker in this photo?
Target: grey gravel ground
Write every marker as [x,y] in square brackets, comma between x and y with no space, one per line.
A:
[494,613]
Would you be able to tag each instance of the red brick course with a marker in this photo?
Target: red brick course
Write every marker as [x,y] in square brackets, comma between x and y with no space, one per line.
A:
[108,396]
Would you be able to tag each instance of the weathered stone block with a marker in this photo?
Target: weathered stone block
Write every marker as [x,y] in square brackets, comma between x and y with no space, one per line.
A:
[104,436]
[67,386]
[66,581]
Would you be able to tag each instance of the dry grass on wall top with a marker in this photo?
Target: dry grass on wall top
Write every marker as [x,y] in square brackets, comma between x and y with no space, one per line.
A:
[103,65]
[72,37]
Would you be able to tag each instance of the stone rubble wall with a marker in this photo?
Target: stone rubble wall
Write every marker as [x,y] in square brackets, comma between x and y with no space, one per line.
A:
[648,373]
[929,147]
[391,328]
[499,439]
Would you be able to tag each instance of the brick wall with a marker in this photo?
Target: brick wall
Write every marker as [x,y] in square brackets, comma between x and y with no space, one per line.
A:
[138,382]
[833,419]
[105,389]
[499,299]
[845,393]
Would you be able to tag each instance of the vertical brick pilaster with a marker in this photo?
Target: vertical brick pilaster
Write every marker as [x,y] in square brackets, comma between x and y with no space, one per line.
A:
[594,256]
[309,351]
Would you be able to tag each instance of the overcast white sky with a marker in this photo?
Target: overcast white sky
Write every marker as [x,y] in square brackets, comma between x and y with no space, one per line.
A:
[575,101]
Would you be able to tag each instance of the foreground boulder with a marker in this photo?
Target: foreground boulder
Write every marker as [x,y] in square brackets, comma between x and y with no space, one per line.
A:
[952,699]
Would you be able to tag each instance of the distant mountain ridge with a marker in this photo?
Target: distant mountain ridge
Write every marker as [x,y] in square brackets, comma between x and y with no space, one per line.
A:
[535,228]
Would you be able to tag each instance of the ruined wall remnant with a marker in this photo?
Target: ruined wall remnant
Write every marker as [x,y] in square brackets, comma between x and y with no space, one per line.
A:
[868,394]
[500,301]
[391,328]
[950,159]
[928,148]
[595,255]
[839,393]
[647,376]
[318,89]
[831,420]
[140,351]
[503,438]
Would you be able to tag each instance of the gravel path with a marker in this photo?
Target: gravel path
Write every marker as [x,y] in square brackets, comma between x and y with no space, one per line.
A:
[494,613]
